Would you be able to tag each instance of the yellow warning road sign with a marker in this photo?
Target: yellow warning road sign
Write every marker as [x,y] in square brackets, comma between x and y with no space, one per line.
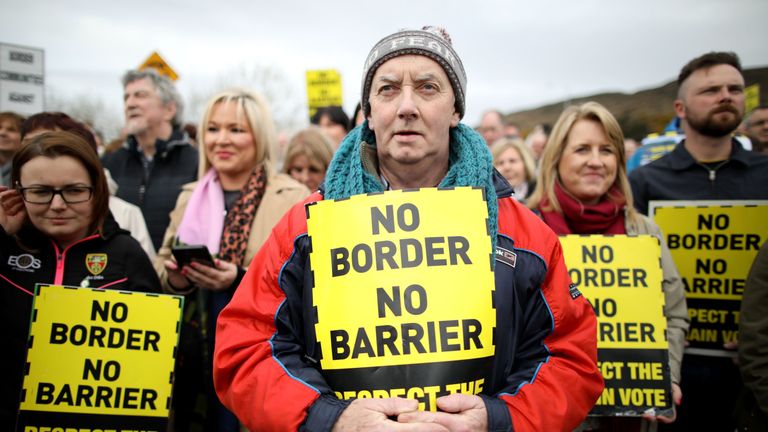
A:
[159,64]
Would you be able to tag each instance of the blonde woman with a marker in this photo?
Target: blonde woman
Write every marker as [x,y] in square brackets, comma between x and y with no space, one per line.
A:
[307,157]
[231,209]
[583,189]
[513,160]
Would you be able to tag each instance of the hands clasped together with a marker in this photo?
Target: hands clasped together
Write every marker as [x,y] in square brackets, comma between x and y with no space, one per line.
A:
[457,412]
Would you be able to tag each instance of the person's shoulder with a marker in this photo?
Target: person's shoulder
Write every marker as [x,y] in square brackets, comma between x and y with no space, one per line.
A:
[119,240]
[756,159]
[117,155]
[291,226]
[643,224]
[525,228]
[664,163]
[281,182]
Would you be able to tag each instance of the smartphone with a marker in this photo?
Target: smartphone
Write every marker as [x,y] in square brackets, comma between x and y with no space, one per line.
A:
[187,254]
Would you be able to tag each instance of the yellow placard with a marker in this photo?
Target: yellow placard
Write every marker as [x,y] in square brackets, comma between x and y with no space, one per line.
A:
[713,244]
[158,63]
[101,352]
[402,278]
[751,97]
[323,89]
[621,277]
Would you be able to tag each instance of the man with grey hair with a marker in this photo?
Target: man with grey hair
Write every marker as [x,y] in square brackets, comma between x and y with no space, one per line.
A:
[157,158]
[278,369]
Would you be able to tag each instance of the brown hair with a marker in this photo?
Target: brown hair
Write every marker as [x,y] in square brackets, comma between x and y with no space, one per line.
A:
[311,143]
[57,144]
[558,139]
[706,61]
[13,117]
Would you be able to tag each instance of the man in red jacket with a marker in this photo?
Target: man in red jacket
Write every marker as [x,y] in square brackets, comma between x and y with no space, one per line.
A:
[269,368]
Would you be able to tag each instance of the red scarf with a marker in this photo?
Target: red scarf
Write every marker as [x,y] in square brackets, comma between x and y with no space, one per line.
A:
[605,217]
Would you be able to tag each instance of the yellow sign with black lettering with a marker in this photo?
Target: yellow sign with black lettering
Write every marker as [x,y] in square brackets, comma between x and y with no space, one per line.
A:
[156,62]
[403,282]
[100,352]
[621,276]
[323,89]
[713,244]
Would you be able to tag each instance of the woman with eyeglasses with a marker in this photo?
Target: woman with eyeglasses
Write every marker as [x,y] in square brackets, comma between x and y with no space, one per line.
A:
[231,209]
[53,220]
[307,157]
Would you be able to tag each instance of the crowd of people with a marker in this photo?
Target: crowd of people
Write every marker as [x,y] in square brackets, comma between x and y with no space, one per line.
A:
[248,354]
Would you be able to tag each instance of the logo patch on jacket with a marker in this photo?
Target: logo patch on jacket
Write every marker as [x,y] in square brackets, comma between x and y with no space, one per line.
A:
[507,257]
[574,290]
[96,263]
[24,262]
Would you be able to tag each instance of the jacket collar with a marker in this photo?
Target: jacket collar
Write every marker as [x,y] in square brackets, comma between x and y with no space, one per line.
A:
[162,147]
[680,158]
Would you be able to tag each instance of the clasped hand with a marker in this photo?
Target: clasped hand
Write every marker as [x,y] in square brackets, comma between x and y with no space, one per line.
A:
[457,412]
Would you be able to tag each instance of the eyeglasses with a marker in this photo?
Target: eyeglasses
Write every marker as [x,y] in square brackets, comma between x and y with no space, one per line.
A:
[44,194]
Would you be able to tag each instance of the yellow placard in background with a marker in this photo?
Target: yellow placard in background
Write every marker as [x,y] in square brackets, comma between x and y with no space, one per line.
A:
[713,244]
[402,277]
[323,89]
[101,352]
[751,97]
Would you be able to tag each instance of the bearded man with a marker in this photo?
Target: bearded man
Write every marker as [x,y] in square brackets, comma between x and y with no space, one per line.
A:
[709,164]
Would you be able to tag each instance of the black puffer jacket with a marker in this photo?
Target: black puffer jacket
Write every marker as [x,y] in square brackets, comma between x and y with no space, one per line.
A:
[156,189]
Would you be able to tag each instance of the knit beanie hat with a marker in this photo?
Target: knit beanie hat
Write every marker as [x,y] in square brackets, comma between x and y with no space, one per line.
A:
[432,42]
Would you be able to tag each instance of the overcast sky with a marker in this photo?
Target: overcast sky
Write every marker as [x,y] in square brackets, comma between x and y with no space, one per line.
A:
[517,54]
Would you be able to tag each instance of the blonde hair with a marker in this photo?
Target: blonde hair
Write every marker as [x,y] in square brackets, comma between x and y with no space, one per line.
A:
[558,139]
[504,144]
[311,143]
[256,111]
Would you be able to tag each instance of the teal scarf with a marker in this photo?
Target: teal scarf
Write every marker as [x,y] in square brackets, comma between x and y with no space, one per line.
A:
[470,162]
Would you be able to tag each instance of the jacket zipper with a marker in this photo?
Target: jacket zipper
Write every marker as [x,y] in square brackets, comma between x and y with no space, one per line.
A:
[713,173]
[61,256]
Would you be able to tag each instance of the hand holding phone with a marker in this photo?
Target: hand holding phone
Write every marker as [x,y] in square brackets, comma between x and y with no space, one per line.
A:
[187,254]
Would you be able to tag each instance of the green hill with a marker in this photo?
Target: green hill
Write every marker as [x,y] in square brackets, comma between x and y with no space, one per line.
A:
[638,114]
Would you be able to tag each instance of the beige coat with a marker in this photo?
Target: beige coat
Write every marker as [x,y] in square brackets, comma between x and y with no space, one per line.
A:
[675,309]
[281,194]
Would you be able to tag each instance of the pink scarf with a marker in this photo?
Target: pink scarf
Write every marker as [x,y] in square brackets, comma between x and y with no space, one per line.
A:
[203,219]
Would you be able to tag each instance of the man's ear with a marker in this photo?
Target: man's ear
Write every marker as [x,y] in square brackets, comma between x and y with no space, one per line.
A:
[455,119]
[170,111]
[679,108]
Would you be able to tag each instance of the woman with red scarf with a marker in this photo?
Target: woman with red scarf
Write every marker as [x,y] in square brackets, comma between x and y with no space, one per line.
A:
[583,189]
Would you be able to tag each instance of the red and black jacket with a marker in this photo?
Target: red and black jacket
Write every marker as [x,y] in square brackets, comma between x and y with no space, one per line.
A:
[544,376]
